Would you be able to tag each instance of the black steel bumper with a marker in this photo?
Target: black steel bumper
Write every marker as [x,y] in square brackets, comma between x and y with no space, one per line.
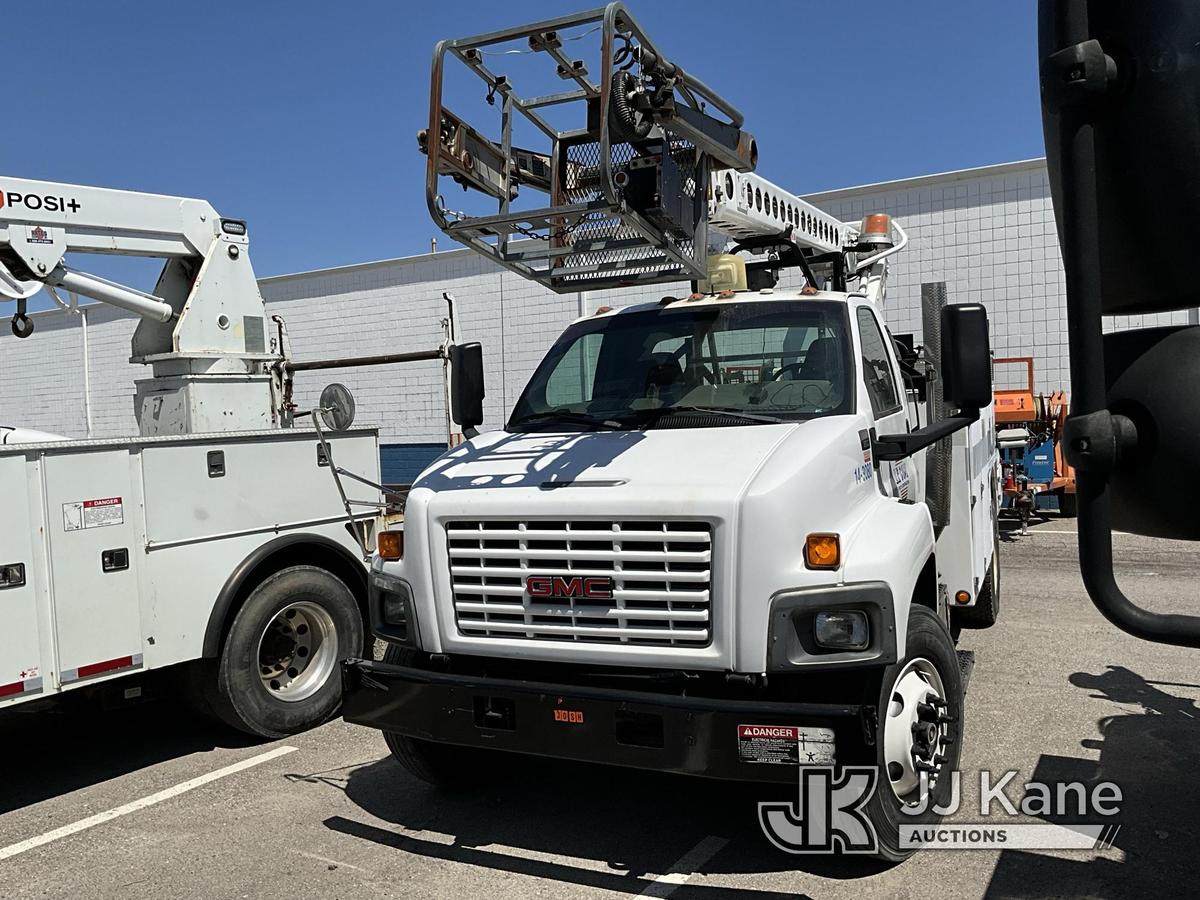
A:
[663,732]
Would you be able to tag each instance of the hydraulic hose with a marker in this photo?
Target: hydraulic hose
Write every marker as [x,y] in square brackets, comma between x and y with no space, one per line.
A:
[629,124]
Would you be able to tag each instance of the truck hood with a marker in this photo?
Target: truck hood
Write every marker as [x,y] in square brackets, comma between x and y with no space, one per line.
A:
[759,489]
[723,460]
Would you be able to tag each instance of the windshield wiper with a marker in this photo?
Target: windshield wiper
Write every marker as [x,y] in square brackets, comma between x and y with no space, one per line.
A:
[566,415]
[732,411]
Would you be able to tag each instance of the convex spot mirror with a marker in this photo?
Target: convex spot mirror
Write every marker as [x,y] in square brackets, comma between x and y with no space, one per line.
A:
[336,407]
[966,356]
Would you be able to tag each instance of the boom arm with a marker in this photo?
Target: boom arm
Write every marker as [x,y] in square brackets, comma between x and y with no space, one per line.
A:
[203,327]
[41,221]
[655,160]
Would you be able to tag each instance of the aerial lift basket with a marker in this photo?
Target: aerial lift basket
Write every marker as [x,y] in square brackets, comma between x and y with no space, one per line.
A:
[627,185]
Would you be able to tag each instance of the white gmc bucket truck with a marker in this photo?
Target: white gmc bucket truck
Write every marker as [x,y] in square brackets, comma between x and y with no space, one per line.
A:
[728,533]
[216,537]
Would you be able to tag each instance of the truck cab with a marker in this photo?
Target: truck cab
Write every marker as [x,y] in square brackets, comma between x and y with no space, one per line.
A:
[684,537]
[729,533]
[671,461]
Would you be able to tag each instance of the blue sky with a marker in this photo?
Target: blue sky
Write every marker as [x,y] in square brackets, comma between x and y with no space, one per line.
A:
[300,117]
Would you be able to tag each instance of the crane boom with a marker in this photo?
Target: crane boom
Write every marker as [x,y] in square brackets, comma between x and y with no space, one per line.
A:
[658,160]
[203,327]
[42,221]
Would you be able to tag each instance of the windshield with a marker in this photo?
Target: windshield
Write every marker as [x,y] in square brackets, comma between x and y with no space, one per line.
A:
[713,365]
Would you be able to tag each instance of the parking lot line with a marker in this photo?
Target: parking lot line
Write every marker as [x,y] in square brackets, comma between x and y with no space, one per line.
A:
[137,805]
[685,867]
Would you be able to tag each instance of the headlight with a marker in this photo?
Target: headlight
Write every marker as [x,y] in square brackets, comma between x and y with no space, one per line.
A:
[394,600]
[842,629]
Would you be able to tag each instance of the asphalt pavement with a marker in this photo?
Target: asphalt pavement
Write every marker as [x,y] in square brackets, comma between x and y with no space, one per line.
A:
[147,801]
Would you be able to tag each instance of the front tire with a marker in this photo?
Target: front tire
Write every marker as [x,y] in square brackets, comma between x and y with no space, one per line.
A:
[920,727]
[278,671]
[449,767]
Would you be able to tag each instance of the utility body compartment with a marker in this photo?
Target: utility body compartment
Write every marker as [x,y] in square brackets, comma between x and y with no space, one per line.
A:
[113,554]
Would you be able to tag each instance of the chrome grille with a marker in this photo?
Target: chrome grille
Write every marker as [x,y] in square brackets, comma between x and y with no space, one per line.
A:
[661,572]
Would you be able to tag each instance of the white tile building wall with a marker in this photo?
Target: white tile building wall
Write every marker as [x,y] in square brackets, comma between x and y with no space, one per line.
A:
[988,233]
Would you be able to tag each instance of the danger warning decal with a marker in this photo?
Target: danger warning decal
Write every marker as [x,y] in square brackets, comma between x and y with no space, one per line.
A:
[786,745]
[93,514]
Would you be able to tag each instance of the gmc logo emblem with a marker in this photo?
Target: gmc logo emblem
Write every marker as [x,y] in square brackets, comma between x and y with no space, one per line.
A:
[547,587]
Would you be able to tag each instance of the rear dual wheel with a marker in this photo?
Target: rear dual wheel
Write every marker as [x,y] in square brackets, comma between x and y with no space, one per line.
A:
[278,670]
[986,609]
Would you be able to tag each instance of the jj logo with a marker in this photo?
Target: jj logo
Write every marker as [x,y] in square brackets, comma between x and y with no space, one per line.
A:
[828,816]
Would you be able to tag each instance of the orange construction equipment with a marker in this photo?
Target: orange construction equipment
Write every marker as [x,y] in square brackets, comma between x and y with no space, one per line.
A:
[1030,433]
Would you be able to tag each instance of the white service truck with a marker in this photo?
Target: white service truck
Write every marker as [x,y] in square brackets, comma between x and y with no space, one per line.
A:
[726,533]
[216,536]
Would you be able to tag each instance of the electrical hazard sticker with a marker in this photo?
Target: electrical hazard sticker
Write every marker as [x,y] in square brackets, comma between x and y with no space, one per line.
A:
[786,745]
[85,514]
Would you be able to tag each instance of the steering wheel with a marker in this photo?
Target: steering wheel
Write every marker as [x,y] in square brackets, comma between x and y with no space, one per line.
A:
[789,367]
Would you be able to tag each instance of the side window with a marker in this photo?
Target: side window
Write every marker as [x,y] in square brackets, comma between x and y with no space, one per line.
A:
[877,369]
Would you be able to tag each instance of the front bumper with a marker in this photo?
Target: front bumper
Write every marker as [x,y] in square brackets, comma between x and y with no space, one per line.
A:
[657,731]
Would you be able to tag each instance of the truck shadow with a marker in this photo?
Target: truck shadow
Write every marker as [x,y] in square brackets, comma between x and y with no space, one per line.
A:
[528,460]
[622,827]
[1153,756]
[75,742]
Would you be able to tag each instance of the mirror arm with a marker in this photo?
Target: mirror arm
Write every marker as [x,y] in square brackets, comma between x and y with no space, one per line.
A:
[1096,566]
[895,447]
[1094,437]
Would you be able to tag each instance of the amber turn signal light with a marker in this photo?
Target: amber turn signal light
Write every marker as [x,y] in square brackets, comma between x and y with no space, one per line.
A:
[391,544]
[962,598]
[822,551]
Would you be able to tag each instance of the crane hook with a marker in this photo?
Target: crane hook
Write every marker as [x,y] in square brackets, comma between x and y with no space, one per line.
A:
[22,325]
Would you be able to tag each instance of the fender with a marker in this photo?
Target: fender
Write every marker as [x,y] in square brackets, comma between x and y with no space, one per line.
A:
[246,568]
[891,544]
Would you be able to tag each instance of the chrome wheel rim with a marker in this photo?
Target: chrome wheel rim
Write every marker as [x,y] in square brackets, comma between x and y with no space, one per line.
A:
[914,736]
[297,651]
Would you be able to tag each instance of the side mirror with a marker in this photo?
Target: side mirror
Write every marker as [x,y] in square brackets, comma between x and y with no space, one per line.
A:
[466,385]
[1119,92]
[966,377]
[966,356]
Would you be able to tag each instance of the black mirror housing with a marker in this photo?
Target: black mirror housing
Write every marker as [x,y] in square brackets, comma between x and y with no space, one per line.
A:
[966,356]
[466,385]
[1155,479]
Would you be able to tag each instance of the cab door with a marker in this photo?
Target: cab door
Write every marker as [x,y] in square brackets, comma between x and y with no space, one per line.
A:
[879,372]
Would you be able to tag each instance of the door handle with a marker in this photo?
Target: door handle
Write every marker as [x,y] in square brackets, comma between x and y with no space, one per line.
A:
[12,575]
